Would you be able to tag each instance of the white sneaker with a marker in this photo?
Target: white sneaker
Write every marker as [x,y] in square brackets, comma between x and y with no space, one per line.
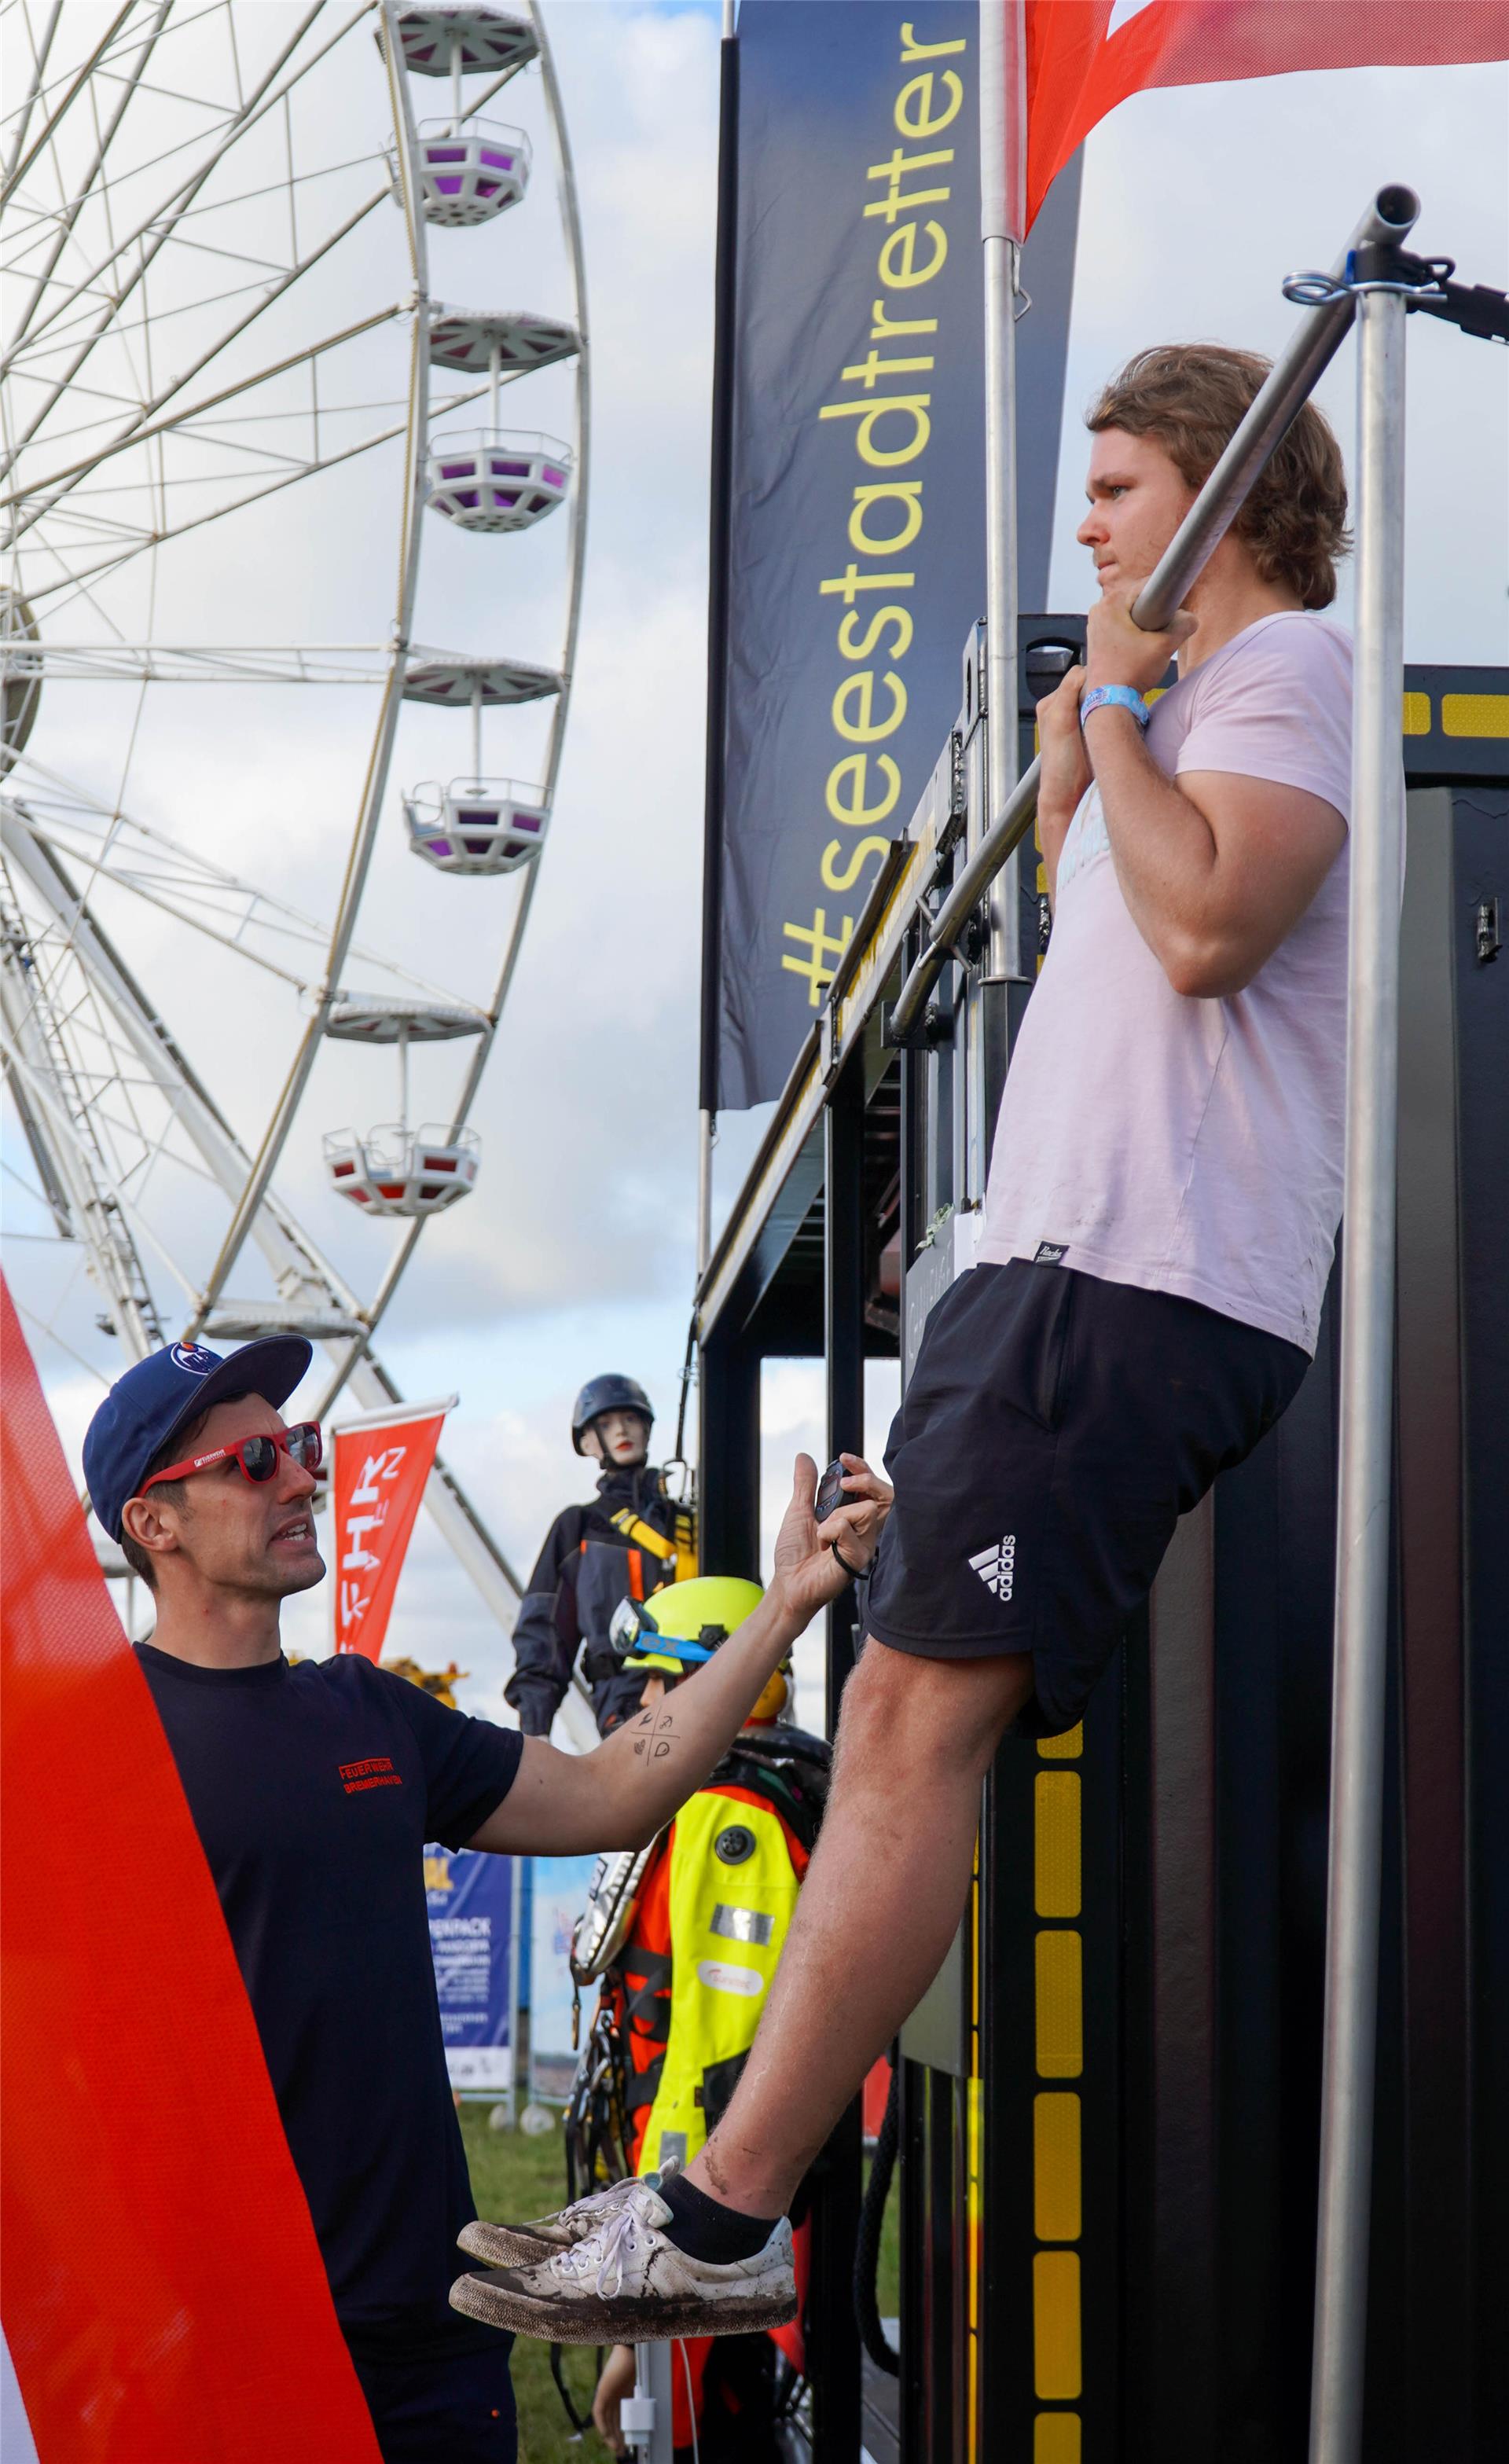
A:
[526,2245]
[626,2284]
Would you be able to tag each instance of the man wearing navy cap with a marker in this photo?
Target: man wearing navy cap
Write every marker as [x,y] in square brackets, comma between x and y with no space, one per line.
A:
[314,1789]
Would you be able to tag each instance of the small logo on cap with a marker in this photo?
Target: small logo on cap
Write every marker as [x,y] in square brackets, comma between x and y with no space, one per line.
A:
[193,1358]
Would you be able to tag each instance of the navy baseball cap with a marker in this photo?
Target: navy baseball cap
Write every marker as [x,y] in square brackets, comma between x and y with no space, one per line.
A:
[145,1407]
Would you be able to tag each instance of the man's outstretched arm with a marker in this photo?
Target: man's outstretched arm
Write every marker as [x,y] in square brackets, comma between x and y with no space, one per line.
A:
[626,1789]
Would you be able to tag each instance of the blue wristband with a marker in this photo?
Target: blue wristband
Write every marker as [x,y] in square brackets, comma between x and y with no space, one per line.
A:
[1118,698]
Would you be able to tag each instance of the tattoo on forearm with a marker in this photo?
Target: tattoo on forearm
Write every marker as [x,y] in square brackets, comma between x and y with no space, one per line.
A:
[656,1736]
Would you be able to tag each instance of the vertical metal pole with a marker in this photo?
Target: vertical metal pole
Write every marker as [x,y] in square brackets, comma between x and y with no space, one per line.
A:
[1367,1395]
[455,85]
[1002,163]
[476,731]
[1002,138]
[833,2343]
[494,368]
[719,548]
[645,2417]
[707,1137]
[402,1081]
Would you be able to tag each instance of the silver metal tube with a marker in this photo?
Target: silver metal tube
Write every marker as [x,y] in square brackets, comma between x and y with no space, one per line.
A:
[516,1926]
[999,239]
[1004,834]
[706,1128]
[1390,215]
[1366,1393]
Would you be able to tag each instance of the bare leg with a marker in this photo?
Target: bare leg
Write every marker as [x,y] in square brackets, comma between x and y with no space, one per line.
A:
[884,1894]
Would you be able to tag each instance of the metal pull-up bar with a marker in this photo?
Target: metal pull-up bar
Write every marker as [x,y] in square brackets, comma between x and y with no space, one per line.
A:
[1390,218]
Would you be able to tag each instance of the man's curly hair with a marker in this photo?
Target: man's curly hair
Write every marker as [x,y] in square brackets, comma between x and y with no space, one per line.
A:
[1190,397]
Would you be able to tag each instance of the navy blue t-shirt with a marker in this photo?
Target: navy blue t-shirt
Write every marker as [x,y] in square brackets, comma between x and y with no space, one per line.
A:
[313,1790]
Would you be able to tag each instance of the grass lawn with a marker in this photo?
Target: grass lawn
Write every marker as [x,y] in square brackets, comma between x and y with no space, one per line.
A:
[514,2178]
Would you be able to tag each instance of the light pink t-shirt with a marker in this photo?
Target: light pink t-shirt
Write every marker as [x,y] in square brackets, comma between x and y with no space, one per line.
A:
[1185,1145]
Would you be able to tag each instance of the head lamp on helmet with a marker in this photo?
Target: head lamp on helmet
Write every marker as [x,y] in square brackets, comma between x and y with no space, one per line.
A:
[682,1626]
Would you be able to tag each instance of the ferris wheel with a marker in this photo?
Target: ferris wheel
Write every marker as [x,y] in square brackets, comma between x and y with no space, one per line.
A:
[288,617]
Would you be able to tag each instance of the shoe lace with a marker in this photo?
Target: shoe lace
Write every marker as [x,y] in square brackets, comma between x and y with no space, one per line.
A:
[604,2250]
[612,2196]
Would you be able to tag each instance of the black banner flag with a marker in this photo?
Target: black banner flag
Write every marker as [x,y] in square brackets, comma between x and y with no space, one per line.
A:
[851,351]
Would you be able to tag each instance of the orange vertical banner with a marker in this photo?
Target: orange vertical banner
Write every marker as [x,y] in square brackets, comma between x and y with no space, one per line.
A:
[377,1479]
[163,2294]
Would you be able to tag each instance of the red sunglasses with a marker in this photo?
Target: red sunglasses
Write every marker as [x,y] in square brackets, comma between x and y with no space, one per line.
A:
[257,1457]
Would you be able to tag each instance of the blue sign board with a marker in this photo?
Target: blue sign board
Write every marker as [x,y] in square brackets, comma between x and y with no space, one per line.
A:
[470,1901]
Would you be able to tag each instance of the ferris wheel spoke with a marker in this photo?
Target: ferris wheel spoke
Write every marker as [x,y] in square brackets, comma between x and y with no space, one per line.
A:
[60,481]
[18,168]
[39,59]
[232,121]
[159,226]
[59,220]
[181,875]
[198,522]
[256,496]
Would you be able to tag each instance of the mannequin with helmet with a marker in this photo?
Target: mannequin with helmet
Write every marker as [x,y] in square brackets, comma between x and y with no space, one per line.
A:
[671,2028]
[625,1543]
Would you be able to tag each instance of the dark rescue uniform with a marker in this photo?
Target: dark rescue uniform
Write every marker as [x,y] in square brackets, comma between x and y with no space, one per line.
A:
[629,1541]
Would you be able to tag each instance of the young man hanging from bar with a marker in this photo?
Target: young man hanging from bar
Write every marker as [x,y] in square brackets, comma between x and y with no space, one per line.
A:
[1164,1194]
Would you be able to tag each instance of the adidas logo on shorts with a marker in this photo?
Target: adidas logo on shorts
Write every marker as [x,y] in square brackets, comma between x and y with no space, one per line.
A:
[997,1567]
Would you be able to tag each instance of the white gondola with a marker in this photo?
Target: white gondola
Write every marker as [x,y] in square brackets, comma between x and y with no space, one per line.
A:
[476,824]
[467,338]
[448,682]
[398,1171]
[469,172]
[394,1018]
[496,479]
[447,37]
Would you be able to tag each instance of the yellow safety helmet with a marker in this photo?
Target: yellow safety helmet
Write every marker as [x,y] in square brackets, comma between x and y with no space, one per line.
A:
[680,1626]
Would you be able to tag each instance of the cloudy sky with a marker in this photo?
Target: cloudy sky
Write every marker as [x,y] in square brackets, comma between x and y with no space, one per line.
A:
[575,1253]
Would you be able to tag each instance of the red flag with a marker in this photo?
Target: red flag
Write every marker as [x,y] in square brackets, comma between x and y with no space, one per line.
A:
[381,1466]
[164,2297]
[1079,69]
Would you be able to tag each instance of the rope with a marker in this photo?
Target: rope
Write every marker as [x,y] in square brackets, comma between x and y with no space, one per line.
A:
[866,2249]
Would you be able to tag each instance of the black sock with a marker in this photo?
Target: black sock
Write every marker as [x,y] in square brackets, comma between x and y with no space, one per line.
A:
[707,2230]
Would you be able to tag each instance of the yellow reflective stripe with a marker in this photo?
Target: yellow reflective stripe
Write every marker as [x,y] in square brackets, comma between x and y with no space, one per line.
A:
[1417,713]
[1067,1749]
[1056,2363]
[1056,2166]
[1057,2114]
[1056,2439]
[1056,1858]
[1060,1998]
[1475,714]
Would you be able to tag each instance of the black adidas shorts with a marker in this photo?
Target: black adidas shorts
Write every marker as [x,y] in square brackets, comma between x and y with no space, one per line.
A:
[1055,1428]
